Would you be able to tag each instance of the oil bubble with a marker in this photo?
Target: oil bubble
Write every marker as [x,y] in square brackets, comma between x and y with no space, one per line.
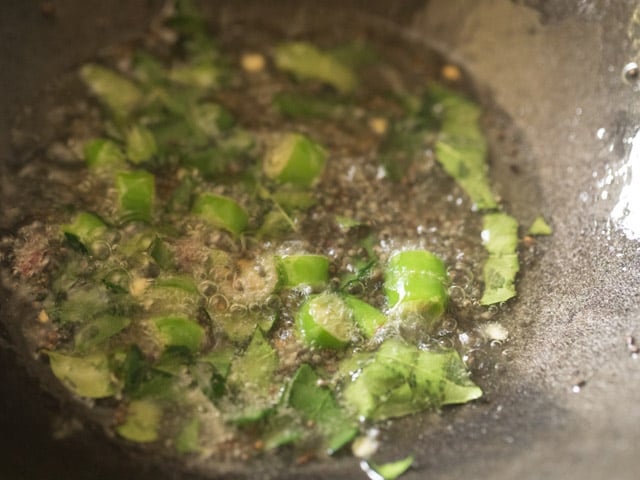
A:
[631,73]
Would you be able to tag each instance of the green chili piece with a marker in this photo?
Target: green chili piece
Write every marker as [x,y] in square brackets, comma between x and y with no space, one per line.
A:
[118,93]
[325,320]
[415,282]
[295,159]
[221,212]
[103,153]
[303,270]
[88,376]
[143,422]
[141,144]
[305,61]
[367,317]
[500,238]
[179,331]
[85,228]
[136,195]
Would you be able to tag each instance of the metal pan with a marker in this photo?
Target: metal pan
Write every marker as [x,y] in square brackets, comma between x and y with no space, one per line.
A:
[566,405]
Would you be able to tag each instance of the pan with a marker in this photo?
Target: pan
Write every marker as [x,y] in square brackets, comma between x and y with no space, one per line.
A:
[566,403]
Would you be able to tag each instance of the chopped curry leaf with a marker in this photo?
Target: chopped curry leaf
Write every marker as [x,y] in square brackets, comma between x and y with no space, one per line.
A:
[500,238]
[142,424]
[318,405]
[87,376]
[540,227]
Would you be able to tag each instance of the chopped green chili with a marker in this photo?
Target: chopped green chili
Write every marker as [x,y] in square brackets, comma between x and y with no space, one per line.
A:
[325,320]
[221,212]
[295,159]
[136,196]
[303,270]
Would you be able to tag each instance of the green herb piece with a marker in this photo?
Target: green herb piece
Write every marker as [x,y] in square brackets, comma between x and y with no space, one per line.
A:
[317,404]
[301,106]
[97,330]
[251,382]
[87,376]
[303,271]
[500,238]
[306,61]
[292,198]
[211,119]
[355,54]
[132,369]
[179,331]
[147,69]
[404,144]
[400,379]
[282,430]
[415,282]
[221,212]
[174,360]
[136,196]
[103,153]
[142,424]
[346,223]
[240,326]
[119,94]
[187,438]
[162,254]
[204,75]
[326,321]
[82,303]
[461,147]
[275,224]
[392,470]
[540,227]
[295,159]
[141,144]
[255,369]
[367,317]
[85,229]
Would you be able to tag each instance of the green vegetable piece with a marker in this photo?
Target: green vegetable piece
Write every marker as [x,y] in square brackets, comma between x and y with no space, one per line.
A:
[251,382]
[540,227]
[392,470]
[282,430]
[318,405]
[292,198]
[162,254]
[143,422]
[85,228]
[253,371]
[367,317]
[325,321]
[179,331]
[297,105]
[119,94]
[303,270]
[98,330]
[136,196]
[221,212]
[82,303]
[443,376]
[141,145]
[211,119]
[203,74]
[295,159]
[499,274]
[187,438]
[240,326]
[306,61]
[87,376]
[103,153]
[415,282]
[401,379]
[461,147]
[355,54]
[499,233]
[500,238]
[274,225]
[174,360]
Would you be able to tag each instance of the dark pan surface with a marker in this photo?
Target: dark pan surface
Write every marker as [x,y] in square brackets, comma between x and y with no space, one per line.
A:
[555,68]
